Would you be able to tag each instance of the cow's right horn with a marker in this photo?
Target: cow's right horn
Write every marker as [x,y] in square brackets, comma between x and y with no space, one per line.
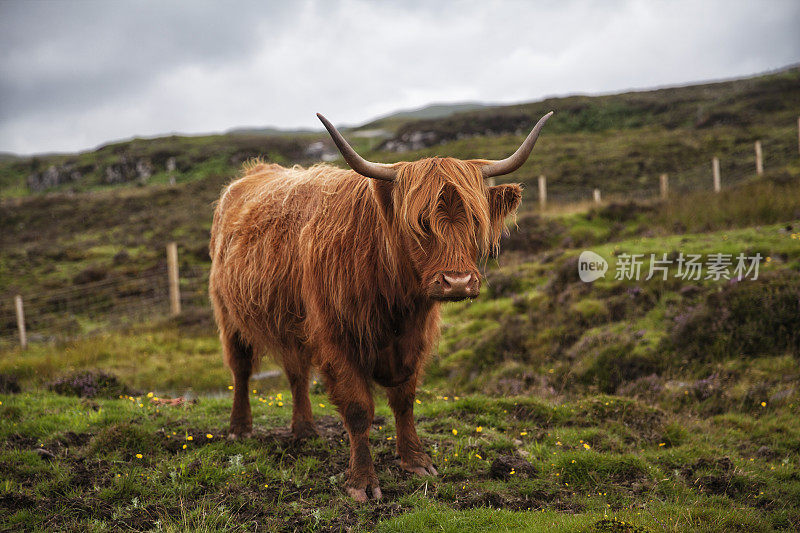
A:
[356,162]
[515,160]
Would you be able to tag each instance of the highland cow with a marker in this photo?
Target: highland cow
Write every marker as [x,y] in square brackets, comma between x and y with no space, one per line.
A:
[345,271]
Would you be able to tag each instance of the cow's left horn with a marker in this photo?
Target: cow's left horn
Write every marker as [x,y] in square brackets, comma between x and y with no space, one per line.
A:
[356,162]
[512,163]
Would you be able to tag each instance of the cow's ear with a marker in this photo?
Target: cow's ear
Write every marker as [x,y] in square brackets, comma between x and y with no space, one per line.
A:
[503,201]
[383,195]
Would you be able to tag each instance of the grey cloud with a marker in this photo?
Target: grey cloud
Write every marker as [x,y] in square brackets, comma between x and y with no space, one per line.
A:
[75,74]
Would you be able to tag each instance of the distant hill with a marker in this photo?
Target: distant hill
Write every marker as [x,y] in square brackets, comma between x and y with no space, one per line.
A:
[617,142]
[432,111]
[266,131]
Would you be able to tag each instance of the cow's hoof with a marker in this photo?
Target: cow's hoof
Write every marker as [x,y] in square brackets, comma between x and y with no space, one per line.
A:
[360,495]
[239,435]
[301,432]
[420,470]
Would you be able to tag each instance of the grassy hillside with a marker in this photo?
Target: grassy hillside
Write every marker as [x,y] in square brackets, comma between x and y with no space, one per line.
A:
[620,405]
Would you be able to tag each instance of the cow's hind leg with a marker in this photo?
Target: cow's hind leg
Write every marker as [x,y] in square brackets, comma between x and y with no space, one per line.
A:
[239,356]
[412,454]
[297,367]
[349,391]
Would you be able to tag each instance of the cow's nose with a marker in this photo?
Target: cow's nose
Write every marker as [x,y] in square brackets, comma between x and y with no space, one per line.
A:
[456,281]
[457,284]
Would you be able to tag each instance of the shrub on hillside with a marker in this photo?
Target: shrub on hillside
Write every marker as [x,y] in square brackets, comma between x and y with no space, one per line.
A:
[618,364]
[509,341]
[621,211]
[745,318]
[533,234]
[90,384]
[90,274]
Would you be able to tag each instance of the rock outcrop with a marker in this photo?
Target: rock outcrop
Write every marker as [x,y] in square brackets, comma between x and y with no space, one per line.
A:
[53,176]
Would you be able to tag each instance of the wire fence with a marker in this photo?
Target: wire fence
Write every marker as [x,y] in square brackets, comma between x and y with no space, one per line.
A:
[94,307]
[737,167]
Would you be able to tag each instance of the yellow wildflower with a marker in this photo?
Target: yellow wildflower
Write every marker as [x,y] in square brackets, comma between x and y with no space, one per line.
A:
[455,432]
[479,429]
[586,446]
[322,405]
[138,456]
[209,436]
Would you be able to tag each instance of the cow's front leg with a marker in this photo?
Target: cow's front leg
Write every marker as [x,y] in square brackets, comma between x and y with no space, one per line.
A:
[349,391]
[412,455]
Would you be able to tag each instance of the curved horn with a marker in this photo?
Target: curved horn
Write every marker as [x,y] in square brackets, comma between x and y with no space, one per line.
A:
[356,162]
[513,162]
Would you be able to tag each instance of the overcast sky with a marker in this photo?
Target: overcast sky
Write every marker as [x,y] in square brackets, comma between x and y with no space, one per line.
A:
[74,75]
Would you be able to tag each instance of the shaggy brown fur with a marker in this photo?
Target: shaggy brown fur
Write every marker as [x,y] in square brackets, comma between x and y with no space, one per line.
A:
[324,267]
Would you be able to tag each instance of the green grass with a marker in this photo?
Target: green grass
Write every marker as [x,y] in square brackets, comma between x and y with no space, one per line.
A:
[599,462]
[140,359]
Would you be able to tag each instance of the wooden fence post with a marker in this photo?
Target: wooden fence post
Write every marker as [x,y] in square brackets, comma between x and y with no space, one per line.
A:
[715,168]
[174,279]
[542,192]
[759,159]
[23,337]
[664,182]
[596,195]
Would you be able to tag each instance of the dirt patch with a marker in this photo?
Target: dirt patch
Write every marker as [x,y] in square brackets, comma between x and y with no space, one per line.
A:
[90,384]
[516,502]
[70,439]
[718,476]
[16,440]
[14,501]
[506,466]
[614,525]
[9,384]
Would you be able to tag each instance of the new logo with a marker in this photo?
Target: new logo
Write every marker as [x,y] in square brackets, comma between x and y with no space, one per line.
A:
[591,266]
